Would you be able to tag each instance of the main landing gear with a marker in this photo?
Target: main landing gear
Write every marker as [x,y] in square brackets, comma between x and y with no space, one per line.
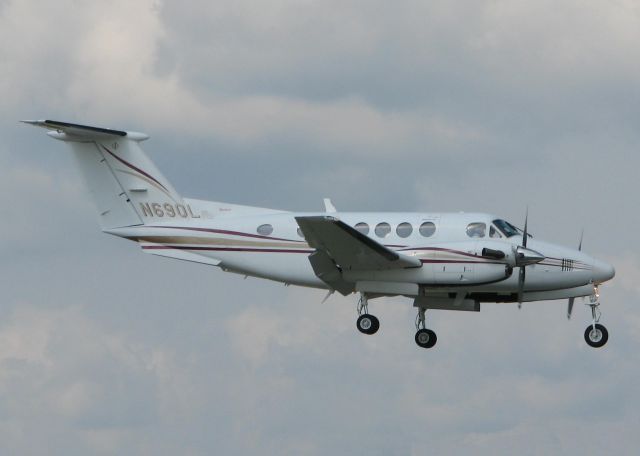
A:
[596,335]
[366,323]
[369,324]
[425,338]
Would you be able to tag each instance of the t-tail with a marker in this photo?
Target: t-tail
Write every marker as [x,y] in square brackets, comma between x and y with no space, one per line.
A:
[126,186]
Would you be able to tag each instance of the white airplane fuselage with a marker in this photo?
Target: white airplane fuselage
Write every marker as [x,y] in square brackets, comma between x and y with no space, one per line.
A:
[451,259]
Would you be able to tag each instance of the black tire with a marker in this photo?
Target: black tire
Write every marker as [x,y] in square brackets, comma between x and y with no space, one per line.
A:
[376,325]
[367,324]
[426,338]
[598,338]
[433,339]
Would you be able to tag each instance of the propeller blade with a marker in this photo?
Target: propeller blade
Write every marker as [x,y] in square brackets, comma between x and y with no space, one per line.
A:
[521,278]
[524,233]
[581,236]
[522,256]
[570,308]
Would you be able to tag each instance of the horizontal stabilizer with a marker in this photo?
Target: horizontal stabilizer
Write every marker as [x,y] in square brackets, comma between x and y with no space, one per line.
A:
[85,131]
[349,248]
[178,254]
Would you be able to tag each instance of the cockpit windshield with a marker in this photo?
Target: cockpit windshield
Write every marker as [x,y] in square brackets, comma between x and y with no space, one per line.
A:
[506,228]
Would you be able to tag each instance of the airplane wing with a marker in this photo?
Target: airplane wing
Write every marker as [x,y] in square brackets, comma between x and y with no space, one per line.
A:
[349,248]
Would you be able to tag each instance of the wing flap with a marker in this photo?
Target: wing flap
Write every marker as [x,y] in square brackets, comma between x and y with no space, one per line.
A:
[349,248]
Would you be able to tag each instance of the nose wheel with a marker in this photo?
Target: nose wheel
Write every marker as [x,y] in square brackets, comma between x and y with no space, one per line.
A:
[596,335]
[366,323]
[425,338]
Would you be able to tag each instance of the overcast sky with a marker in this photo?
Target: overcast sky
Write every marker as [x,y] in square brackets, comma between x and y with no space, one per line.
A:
[408,105]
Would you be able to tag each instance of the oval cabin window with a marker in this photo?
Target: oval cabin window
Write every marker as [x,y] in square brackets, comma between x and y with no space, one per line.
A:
[427,229]
[383,229]
[404,230]
[265,229]
[362,227]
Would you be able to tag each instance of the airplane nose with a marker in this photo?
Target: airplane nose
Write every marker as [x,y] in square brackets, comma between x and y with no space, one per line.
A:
[602,271]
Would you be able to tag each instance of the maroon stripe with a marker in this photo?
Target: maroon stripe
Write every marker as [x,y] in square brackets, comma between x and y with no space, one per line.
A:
[559,266]
[461,262]
[562,259]
[441,249]
[126,163]
[228,232]
[250,250]
[224,249]
[239,233]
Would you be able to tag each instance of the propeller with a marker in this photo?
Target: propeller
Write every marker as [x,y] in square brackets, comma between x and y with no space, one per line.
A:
[573,299]
[523,273]
[524,258]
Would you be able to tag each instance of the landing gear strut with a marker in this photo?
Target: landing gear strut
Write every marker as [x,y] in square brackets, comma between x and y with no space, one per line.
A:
[596,335]
[425,338]
[366,323]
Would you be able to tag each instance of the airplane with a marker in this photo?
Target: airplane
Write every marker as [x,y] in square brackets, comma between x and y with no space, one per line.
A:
[447,261]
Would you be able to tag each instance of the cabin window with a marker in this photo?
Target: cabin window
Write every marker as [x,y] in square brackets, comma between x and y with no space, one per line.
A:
[427,229]
[404,229]
[494,233]
[476,229]
[265,229]
[383,229]
[362,227]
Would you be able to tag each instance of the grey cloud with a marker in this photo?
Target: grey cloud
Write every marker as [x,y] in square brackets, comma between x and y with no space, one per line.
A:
[478,106]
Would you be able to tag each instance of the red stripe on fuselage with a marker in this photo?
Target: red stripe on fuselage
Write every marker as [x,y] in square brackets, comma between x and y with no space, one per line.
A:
[224,249]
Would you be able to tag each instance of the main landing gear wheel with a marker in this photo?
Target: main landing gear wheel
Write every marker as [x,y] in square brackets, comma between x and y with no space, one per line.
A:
[596,335]
[368,324]
[426,338]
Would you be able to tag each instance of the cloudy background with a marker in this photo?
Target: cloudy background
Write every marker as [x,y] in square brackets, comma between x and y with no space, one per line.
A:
[410,105]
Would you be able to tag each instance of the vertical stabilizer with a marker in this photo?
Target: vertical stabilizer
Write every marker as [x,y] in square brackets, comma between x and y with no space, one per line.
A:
[126,186]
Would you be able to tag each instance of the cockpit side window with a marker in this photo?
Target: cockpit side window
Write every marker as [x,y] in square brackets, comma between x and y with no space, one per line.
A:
[493,232]
[506,228]
[476,229]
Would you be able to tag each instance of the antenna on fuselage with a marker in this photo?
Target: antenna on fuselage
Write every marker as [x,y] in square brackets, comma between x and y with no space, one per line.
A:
[328,206]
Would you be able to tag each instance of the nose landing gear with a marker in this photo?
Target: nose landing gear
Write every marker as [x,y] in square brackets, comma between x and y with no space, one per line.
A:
[596,335]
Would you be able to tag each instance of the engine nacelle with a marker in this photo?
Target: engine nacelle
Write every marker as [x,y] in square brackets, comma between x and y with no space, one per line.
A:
[453,263]
[468,273]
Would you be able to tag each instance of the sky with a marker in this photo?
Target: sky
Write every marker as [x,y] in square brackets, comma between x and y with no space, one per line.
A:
[410,106]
